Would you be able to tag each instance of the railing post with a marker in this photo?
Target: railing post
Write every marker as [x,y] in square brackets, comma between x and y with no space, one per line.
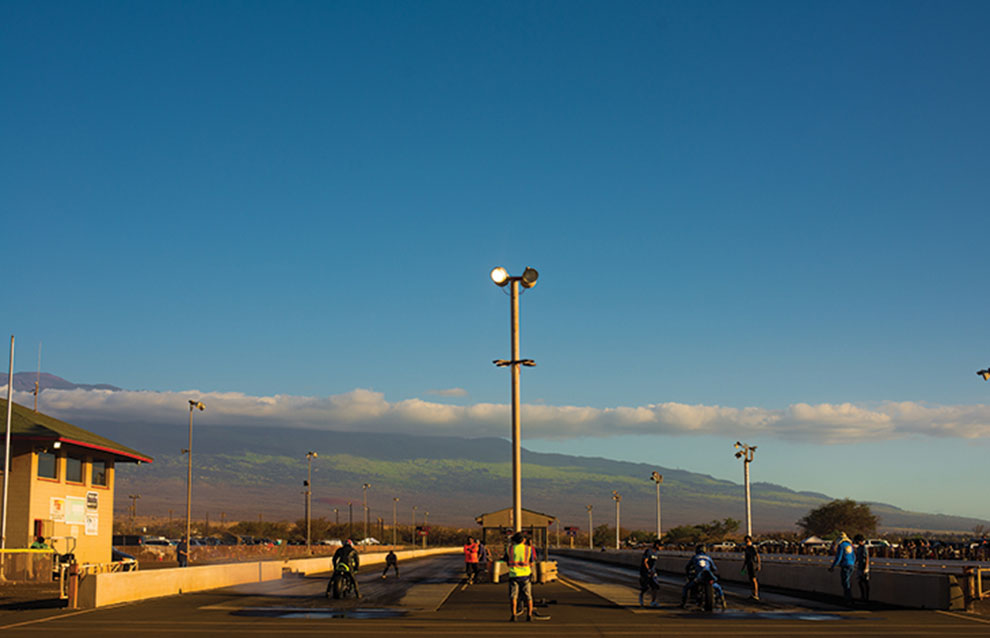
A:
[73,585]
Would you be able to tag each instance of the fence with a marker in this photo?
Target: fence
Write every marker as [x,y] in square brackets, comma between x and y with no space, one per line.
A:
[28,565]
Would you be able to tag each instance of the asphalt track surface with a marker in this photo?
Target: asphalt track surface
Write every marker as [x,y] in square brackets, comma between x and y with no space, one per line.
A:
[431,599]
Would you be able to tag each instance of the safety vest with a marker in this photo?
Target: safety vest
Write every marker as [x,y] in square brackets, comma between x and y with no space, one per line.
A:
[471,553]
[520,559]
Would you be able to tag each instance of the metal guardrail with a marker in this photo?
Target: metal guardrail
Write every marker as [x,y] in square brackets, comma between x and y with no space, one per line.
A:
[978,573]
[87,569]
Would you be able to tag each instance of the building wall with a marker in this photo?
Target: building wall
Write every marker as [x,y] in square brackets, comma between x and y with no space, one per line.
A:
[82,511]
[18,531]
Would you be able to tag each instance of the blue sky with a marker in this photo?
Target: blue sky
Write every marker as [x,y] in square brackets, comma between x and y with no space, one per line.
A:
[732,205]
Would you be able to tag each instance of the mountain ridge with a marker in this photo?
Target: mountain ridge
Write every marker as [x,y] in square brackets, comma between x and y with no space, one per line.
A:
[247,471]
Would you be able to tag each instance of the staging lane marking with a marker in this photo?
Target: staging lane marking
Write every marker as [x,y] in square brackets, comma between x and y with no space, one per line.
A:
[46,619]
[949,613]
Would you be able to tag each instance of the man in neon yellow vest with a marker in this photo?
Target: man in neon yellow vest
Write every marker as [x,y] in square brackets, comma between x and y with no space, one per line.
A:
[520,558]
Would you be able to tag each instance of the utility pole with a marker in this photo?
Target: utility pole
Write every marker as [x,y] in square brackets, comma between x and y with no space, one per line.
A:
[395,519]
[528,279]
[309,492]
[745,452]
[365,504]
[618,499]
[134,498]
[658,479]
[591,531]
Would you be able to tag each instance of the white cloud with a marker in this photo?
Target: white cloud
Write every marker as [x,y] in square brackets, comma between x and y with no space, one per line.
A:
[449,392]
[363,409]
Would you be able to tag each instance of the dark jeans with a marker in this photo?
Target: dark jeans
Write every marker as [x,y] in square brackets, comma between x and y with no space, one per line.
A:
[845,577]
[864,585]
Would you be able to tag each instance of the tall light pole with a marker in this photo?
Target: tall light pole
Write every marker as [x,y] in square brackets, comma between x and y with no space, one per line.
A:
[6,457]
[426,527]
[591,534]
[193,405]
[412,532]
[134,498]
[618,499]
[745,452]
[528,279]
[658,479]
[364,497]
[395,518]
[309,492]
[336,516]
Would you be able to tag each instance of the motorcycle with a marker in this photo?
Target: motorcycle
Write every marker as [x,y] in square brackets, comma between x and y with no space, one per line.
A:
[341,582]
[706,592]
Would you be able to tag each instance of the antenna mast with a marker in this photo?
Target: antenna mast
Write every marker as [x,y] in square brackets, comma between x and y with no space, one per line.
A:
[37,382]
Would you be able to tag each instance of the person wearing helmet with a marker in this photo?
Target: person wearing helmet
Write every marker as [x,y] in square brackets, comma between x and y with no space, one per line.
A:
[349,555]
[698,565]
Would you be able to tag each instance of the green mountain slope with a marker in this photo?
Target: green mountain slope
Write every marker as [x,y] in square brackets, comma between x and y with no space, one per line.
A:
[245,472]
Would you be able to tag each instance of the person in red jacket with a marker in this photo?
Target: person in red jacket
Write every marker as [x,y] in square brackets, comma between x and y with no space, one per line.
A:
[471,559]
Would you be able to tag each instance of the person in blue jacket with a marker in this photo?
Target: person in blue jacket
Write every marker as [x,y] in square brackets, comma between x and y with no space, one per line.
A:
[845,558]
[699,563]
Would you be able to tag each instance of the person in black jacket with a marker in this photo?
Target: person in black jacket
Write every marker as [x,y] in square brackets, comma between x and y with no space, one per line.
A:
[349,555]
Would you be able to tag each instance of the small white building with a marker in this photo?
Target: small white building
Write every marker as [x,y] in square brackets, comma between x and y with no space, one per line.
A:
[61,484]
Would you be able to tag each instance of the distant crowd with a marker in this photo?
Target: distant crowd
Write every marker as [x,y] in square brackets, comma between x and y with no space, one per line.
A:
[977,549]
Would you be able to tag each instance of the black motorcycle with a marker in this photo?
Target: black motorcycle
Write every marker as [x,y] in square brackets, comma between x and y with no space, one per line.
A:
[706,592]
[341,582]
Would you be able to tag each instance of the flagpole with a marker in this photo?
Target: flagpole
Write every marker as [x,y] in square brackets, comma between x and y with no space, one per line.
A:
[6,458]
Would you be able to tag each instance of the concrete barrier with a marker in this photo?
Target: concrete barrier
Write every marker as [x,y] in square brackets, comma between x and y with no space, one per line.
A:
[319,564]
[98,590]
[905,589]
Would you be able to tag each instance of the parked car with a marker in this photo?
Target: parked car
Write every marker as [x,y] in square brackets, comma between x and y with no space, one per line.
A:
[368,541]
[724,546]
[128,562]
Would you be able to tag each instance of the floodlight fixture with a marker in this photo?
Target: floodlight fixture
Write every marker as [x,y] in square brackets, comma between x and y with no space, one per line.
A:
[196,404]
[529,277]
[500,276]
[56,445]
[985,374]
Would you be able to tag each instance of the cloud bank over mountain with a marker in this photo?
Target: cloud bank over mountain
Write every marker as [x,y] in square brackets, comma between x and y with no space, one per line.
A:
[367,410]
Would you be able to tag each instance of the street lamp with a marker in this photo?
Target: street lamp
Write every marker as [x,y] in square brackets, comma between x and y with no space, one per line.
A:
[193,405]
[658,479]
[364,496]
[426,527]
[618,499]
[528,279]
[745,452]
[134,498]
[309,491]
[984,373]
[395,504]
[591,541]
[412,532]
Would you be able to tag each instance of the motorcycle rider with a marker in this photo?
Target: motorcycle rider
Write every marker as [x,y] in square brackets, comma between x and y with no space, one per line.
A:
[349,555]
[695,569]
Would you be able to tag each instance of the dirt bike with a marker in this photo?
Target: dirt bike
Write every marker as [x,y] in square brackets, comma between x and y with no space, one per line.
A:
[341,582]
